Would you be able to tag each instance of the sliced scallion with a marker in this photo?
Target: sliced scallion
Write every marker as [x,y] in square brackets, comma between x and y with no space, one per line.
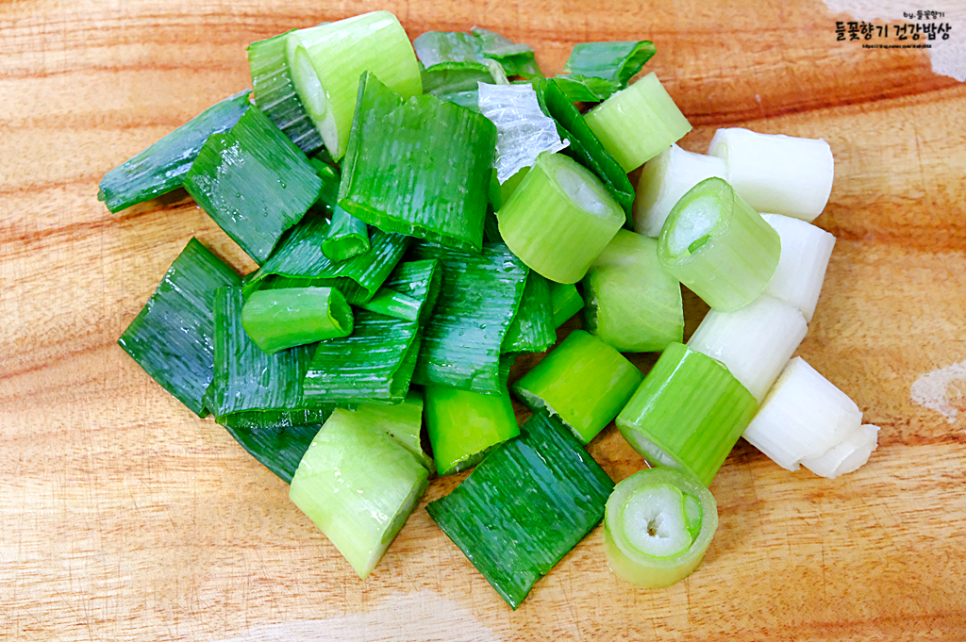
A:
[393,304]
[595,70]
[806,250]
[329,195]
[402,421]
[848,456]
[284,318]
[278,448]
[665,179]
[436,48]
[532,329]
[566,301]
[346,237]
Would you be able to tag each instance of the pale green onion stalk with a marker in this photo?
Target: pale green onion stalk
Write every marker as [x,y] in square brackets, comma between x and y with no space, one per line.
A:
[803,417]
[776,173]
[718,246]
[665,179]
[806,250]
[566,302]
[658,525]
[326,62]
[636,124]
[559,218]
[754,342]
[848,456]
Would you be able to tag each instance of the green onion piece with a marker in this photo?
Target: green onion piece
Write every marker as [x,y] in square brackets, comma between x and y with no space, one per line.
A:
[719,247]
[420,168]
[454,77]
[327,60]
[280,449]
[464,426]
[806,250]
[393,304]
[633,303]
[435,48]
[584,146]
[657,527]
[172,337]
[584,381]
[375,363]
[559,218]
[253,182]
[280,319]
[532,329]
[848,456]
[525,506]
[347,237]
[598,69]
[422,282]
[161,167]
[566,301]
[358,485]
[636,124]
[687,413]
[329,195]
[479,297]
[300,260]
[402,421]
[251,388]
[275,95]
[517,59]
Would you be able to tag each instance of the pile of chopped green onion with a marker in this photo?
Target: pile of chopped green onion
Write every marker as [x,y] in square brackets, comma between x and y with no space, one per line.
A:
[422,214]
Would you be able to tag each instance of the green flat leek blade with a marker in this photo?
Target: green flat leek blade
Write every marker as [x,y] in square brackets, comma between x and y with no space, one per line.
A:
[525,507]
[162,167]
[532,329]
[278,449]
[331,178]
[479,298]
[479,46]
[253,182]
[275,92]
[393,304]
[420,168]
[375,364]
[300,261]
[172,337]
[454,77]
[584,146]
[596,70]
[347,237]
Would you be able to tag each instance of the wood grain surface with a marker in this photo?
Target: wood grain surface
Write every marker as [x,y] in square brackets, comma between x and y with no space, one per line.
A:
[124,517]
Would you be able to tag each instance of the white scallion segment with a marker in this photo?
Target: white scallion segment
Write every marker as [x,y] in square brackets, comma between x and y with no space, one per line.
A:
[655,523]
[806,250]
[637,123]
[665,179]
[803,417]
[776,173]
[754,342]
[848,456]
[522,129]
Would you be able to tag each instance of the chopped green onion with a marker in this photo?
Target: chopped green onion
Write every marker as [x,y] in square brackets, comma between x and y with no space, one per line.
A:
[464,426]
[172,337]
[280,319]
[447,78]
[532,329]
[275,92]
[479,297]
[278,448]
[358,485]
[420,167]
[329,195]
[161,167]
[719,247]
[393,304]
[524,507]
[327,60]
[253,182]
[584,381]
[559,218]
[774,173]
[636,124]
[633,303]
[803,417]
[806,250]
[402,421]
[347,237]
[435,48]
[598,69]
[665,179]
[847,456]
[658,526]
[754,343]
[687,413]
[300,261]
[422,282]
[566,301]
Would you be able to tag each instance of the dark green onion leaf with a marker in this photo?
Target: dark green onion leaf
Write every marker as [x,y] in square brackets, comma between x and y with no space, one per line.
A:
[533,328]
[172,337]
[275,92]
[329,195]
[347,237]
[300,261]
[254,182]
[278,449]
[161,167]
[596,70]
[525,506]
[419,168]
[479,298]
[439,47]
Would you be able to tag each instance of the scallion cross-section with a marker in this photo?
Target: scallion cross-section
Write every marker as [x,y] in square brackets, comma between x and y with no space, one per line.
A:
[346,237]
[285,318]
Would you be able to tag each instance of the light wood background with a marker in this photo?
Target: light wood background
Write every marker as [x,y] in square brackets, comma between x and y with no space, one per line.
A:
[124,517]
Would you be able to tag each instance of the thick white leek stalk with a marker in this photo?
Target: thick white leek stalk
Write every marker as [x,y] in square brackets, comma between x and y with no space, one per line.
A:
[754,342]
[777,173]
[665,179]
[848,456]
[806,250]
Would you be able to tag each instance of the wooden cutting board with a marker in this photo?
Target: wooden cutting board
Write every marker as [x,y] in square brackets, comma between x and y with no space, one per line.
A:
[124,517]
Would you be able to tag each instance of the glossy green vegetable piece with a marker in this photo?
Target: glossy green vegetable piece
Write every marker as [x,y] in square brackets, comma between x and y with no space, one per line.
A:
[347,237]
[284,318]
[566,302]
[596,70]
[435,48]
[280,449]
[532,329]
